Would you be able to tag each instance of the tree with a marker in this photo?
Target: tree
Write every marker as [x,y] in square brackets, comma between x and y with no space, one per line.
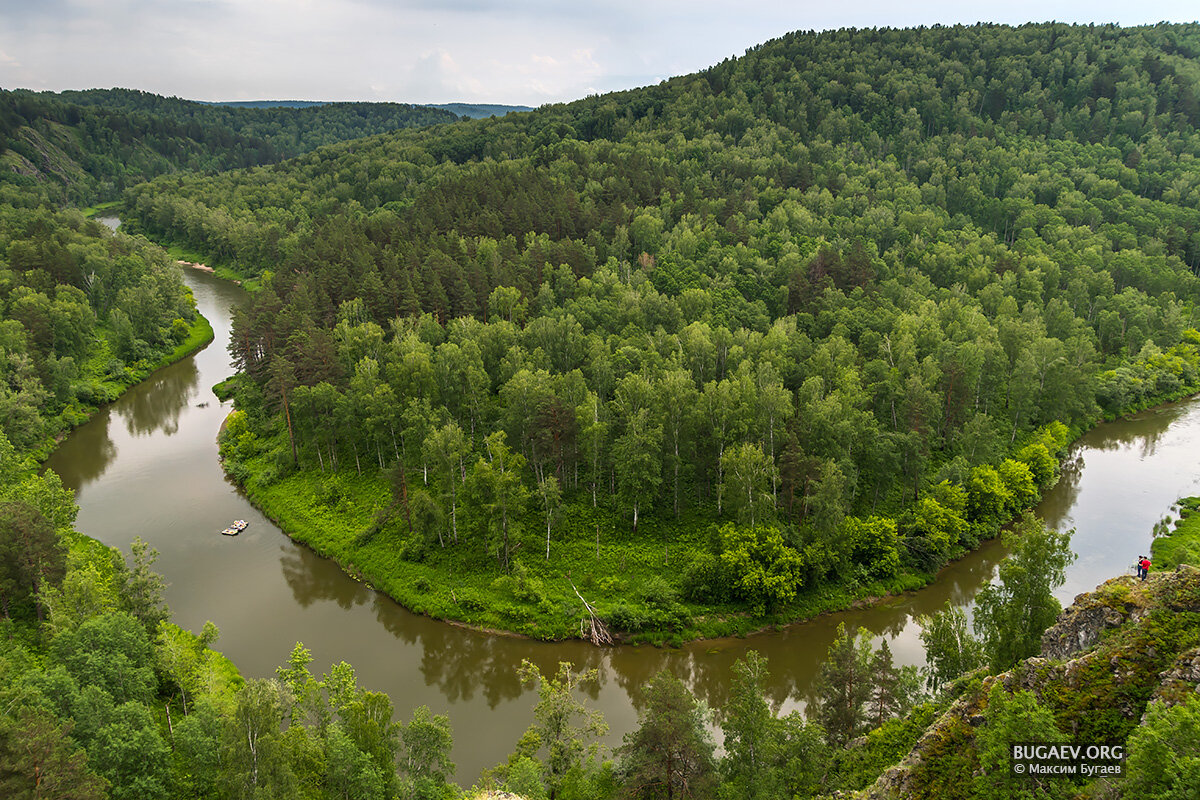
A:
[282,381]
[676,394]
[179,657]
[1012,613]
[131,755]
[1013,719]
[425,758]
[447,447]
[31,555]
[40,761]
[751,741]
[551,497]
[1164,753]
[498,493]
[255,765]
[750,476]
[843,687]
[562,725]
[349,772]
[142,588]
[635,459]
[670,755]
[766,571]
[111,651]
[894,689]
[950,649]
[367,720]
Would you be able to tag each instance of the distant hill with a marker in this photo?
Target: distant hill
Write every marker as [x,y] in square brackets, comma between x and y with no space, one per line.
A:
[83,146]
[471,110]
[266,103]
[480,110]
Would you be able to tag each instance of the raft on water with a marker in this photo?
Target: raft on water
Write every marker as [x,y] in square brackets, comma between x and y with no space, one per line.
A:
[237,527]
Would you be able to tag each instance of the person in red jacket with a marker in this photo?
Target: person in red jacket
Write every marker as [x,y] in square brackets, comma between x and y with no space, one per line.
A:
[1143,568]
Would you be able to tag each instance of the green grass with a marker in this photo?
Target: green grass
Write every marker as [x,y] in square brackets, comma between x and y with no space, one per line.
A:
[225,389]
[1182,545]
[100,208]
[624,578]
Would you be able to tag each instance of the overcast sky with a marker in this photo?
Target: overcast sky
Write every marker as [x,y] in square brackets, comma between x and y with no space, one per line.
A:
[424,51]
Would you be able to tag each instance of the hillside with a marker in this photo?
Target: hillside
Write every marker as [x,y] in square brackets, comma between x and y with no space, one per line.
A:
[792,330]
[1120,667]
[81,147]
[480,110]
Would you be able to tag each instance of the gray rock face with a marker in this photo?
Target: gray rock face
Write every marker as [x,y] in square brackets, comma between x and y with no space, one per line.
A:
[1080,626]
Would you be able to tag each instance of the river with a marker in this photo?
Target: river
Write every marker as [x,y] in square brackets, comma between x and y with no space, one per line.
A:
[147,466]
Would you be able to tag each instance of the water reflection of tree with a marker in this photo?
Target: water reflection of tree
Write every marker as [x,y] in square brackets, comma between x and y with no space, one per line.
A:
[86,455]
[1144,430]
[156,404]
[465,664]
[314,578]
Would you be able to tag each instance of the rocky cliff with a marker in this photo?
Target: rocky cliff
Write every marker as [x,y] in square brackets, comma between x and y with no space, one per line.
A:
[1112,654]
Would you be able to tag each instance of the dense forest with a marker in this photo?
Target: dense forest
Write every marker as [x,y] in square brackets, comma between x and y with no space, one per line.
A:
[84,313]
[712,354]
[802,326]
[84,147]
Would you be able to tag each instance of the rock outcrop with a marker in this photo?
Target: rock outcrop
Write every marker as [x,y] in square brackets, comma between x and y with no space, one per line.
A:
[1103,662]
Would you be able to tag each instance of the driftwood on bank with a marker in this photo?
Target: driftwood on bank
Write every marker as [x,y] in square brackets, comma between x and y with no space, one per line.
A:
[592,627]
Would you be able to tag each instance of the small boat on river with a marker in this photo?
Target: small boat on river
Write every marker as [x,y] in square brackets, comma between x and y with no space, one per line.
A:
[237,527]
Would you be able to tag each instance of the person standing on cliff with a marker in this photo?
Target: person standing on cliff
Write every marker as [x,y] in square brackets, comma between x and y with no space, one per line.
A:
[1144,568]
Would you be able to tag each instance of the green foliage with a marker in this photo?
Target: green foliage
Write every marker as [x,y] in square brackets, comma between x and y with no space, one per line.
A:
[766,572]
[1012,613]
[950,649]
[807,285]
[111,651]
[131,755]
[844,687]
[41,762]
[426,753]
[88,145]
[885,746]
[562,727]
[766,756]
[84,313]
[1164,753]
[1015,718]
[1182,544]
[32,557]
[670,754]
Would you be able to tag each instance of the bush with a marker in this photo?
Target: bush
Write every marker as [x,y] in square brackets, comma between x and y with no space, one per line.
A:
[704,580]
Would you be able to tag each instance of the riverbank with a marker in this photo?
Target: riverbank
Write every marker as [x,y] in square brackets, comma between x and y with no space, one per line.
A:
[662,585]
[642,586]
[1181,545]
[329,512]
[111,385]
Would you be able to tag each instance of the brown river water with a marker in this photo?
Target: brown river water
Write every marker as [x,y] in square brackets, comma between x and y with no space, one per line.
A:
[147,466]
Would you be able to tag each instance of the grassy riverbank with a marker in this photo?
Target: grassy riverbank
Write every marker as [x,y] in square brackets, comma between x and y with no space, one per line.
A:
[1182,544]
[620,574]
[104,379]
[662,584]
[634,581]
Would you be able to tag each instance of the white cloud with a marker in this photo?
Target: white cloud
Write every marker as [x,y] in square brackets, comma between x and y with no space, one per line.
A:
[515,51]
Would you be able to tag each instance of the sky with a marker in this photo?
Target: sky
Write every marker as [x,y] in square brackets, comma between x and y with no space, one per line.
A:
[524,52]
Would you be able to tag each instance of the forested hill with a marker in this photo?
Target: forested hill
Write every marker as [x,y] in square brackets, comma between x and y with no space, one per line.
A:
[815,316]
[83,146]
